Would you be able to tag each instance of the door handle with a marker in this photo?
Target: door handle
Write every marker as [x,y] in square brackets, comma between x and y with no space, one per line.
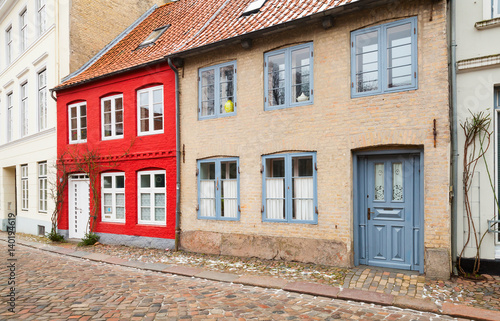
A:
[368,213]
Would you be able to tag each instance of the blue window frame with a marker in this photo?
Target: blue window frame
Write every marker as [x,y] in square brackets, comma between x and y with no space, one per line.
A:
[288,77]
[289,188]
[217,91]
[219,189]
[384,58]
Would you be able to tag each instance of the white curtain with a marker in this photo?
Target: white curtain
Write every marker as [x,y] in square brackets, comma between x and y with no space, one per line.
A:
[303,194]
[230,198]
[207,198]
[275,198]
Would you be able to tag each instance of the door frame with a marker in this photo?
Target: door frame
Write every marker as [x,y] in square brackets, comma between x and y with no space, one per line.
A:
[79,177]
[358,197]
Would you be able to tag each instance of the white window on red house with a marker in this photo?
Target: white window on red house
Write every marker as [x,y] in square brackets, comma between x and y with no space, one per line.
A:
[24,187]
[150,110]
[112,117]
[152,197]
[77,123]
[113,197]
[42,187]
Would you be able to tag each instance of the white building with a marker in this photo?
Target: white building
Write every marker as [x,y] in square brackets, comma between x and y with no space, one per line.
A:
[478,89]
[42,41]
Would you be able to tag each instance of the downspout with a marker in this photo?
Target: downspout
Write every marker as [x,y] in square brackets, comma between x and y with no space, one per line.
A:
[177,158]
[454,137]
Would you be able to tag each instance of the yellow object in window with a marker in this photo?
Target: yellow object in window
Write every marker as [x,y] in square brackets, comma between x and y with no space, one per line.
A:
[229,106]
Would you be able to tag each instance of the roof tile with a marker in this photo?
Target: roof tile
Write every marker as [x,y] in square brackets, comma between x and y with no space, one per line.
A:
[195,23]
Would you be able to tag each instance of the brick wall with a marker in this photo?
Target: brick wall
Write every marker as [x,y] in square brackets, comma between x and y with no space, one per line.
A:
[93,24]
[334,126]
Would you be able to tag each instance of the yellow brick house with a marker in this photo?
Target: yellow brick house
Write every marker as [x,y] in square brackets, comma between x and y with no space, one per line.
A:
[318,131]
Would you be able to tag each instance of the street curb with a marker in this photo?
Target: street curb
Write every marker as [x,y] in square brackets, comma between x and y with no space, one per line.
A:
[316,289]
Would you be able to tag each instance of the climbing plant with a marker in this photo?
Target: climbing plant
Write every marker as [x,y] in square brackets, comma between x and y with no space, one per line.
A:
[82,159]
[477,142]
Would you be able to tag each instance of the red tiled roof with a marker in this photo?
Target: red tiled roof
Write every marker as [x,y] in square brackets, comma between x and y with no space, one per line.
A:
[194,24]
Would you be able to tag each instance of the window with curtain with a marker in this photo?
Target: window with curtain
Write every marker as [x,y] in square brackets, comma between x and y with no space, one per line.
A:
[113,197]
[289,188]
[42,187]
[288,77]
[24,187]
[384,58]
[152,195]
[218,189]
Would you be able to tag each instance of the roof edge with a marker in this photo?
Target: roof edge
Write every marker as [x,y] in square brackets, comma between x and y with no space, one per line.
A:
[110,74]
[110,45]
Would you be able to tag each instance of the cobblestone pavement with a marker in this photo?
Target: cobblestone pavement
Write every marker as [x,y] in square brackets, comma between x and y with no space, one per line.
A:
[55,287]
[485,294]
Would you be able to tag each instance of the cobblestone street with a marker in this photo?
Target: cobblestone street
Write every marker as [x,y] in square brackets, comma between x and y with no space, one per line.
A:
[52,286]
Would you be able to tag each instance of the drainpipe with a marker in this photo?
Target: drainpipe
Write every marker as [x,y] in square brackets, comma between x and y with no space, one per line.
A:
[178,158]
[454,138]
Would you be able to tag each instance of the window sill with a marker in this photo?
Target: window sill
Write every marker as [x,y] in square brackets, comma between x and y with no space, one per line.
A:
[162,224]
[216,116]
[208,218]
[487,24]
[288,106]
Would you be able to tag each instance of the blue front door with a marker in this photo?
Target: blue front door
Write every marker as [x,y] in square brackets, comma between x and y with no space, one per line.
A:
[388,218]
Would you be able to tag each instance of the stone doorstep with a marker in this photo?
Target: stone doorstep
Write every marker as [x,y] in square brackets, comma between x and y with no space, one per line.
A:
[461,310]
[313,289]
[217,276]
[366,296]
[262,281]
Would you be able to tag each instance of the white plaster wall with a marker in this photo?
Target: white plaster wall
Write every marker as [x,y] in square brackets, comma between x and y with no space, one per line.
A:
[475,92]
[471,42]
[42,51]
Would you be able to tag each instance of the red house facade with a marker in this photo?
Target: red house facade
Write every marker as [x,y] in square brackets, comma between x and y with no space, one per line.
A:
[117,155]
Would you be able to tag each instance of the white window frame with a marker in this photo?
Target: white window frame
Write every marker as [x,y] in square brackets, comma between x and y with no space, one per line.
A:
[42,187]
[10,110]
[42,100]
[151,190]
[113,123]
[23,91]
[151,131]
[114,191]
[23,30]
[8,45]
[79,127]
[24,187]
[41,16]
[496,121]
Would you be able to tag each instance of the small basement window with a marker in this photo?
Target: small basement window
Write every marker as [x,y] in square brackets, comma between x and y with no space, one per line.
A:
[154,35]
[253,7]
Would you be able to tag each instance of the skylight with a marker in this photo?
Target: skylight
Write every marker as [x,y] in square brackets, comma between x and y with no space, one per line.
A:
[253,7]
[155,34]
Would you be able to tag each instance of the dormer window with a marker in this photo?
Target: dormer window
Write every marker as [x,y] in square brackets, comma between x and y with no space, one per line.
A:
[253,7]
[153,36]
